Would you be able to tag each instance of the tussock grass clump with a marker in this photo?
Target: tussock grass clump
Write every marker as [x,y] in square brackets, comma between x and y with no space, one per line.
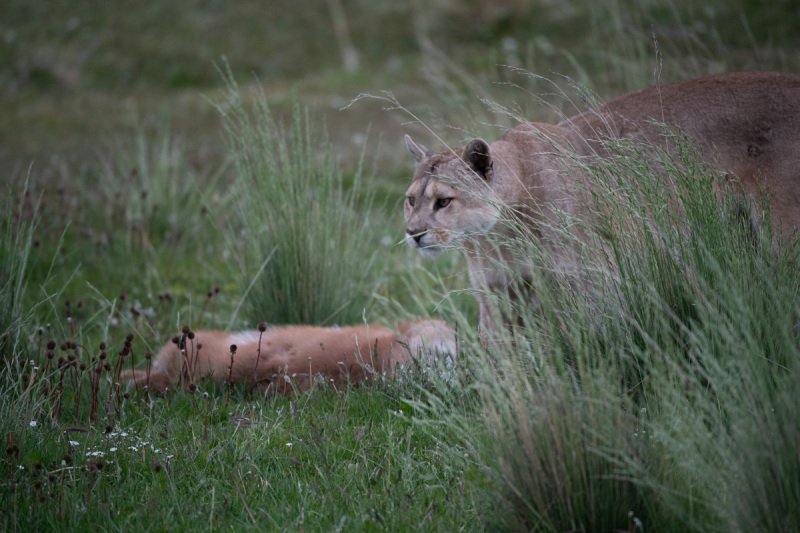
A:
[305,248]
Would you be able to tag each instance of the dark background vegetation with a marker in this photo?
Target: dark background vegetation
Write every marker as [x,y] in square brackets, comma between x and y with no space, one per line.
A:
[78,73]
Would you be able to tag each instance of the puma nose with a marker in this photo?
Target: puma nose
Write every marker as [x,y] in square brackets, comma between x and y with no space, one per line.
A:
[416,234]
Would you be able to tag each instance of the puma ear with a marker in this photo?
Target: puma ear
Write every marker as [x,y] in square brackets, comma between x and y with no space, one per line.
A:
[419,151]
[476,154]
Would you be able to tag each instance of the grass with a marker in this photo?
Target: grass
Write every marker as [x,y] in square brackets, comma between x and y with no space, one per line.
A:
[15,247]
[669,404]
[320,462]
[659,405]
[304,242]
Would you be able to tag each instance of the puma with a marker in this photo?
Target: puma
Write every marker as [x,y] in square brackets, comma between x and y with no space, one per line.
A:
[745,125]
[284,359]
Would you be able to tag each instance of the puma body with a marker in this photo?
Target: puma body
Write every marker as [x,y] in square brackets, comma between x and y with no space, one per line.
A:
[746,125]
[287,358]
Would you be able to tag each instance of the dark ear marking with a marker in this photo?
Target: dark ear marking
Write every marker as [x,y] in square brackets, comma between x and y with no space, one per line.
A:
[419,151]
[476,155]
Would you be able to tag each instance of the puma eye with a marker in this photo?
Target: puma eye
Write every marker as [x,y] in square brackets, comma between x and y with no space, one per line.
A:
[410,200]
[441,203]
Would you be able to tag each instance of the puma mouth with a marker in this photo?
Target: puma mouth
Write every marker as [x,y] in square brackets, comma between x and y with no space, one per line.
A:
[432,250]
[425,248]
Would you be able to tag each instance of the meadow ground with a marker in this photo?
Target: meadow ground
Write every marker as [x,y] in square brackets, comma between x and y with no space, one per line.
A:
[203,165]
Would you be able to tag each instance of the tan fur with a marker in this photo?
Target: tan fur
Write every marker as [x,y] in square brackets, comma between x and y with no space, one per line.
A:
[746,125]
[288,357]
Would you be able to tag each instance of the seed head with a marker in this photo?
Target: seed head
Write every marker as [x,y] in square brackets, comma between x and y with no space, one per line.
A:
[262,327]
[233,348]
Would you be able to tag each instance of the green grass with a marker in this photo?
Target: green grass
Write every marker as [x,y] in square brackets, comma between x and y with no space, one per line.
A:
[324,461]
[17,228]
[658,405]
[303,242]
[672,396]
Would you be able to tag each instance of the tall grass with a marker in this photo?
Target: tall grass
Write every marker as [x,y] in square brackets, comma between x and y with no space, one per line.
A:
[303,237]
[17,224]
[664,396]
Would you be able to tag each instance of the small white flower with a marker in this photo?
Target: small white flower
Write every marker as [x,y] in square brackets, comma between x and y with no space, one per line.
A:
[113,449]
[73,443]
[96,453]
[21,467]
[123,434]
[133,448]
[289,444]
[34,423]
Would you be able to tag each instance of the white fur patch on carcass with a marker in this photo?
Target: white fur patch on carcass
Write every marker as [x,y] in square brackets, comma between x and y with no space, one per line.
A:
[243,337]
